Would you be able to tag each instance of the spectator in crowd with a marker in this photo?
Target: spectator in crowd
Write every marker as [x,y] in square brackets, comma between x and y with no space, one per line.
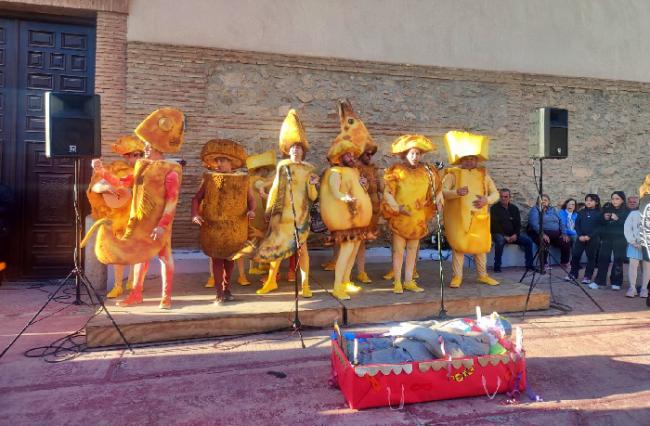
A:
[553,232]
[505,226]
[633,202]
[588,222]
[612,241]
[568,216]
[635,253]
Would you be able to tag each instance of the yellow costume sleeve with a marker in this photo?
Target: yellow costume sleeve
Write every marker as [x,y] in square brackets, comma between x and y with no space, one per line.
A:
[449,187]
[273,194]
[312,192]
[389,206]
[492,191]
[335,185]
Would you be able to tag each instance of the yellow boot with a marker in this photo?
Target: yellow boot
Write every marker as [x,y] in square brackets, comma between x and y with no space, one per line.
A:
[209,283]
[350,287]
[389,275]
[486,279]
[242,280]
[339,292]
[306,291]
[269,285]
[456,282]
[116,291]
[255,271]
[415,274]
[412,286]
[364,278]
[397,287]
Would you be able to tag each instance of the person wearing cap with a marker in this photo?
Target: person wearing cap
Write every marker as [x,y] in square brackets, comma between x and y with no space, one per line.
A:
[287,206]
[346,207]
[226,209]
[411,197]
[469,191]
[107,201]
[156,185]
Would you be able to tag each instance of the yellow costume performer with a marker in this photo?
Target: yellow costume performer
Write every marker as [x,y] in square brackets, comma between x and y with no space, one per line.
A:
[346,207]
[411,196]
[226,209]
[469,191]
[113,203]
[287,207]
[261,168]
[156,184]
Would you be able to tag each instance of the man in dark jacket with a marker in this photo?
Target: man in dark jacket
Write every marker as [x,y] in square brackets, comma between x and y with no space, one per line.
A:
[505,226]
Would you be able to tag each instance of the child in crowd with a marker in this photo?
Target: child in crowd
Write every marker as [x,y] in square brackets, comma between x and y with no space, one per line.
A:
[636,253]
[568,217]
[613,241]
[587,223]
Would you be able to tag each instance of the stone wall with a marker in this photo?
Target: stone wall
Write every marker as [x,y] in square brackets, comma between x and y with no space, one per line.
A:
[245,95]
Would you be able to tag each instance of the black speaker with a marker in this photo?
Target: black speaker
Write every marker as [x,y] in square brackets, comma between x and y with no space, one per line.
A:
[550,133]
[72,125]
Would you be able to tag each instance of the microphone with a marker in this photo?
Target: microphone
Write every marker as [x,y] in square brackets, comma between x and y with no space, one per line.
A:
[439,165]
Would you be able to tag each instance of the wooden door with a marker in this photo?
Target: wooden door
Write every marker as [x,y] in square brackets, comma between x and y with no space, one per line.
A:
[50,57]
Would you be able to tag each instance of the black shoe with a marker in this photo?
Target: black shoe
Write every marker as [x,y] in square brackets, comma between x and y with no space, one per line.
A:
[228,296]
[647,302]
[496,269]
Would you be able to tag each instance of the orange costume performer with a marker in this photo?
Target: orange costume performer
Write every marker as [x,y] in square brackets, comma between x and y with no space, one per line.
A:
[287,207]
[411,196]
[112,203]
[156,185]
[226,209]
[346,207]
[469,191]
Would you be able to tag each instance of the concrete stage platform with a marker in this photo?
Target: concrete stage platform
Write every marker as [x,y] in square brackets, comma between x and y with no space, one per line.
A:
[194,316]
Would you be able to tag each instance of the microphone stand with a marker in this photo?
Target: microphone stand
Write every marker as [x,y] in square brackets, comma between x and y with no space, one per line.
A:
[296,325]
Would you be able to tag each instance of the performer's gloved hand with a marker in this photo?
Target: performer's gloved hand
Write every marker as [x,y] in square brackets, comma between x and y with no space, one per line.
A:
[157,233]
[198,220]
[97,165]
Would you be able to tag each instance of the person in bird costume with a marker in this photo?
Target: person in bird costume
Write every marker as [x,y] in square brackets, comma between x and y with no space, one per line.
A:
[412,193]
[156,186]
[287,207]
[226,209]
[469,191]
[107,201]
[346,207]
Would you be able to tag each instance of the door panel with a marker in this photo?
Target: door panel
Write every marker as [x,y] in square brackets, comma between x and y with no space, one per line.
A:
[60,58]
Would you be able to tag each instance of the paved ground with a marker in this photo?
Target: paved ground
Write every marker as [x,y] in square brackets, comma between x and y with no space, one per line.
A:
[590,367]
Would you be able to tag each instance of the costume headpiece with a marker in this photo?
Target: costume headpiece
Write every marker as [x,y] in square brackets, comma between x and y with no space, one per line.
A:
[266,158]
[339,148]
[403,143]
[127,144]
[225,148]
[353,129]
[462,144]
[644,189]
[163,129]
[292,132]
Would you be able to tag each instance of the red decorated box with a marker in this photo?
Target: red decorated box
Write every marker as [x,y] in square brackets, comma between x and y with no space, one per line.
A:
[378,385]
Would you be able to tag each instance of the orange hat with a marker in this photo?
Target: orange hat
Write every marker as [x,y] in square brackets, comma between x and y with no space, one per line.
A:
[341,146]
[406,142]
[127,145]
[163,129]
[225,148]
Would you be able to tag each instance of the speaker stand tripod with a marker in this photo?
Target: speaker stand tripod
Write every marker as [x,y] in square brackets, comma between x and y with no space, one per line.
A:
[77,272]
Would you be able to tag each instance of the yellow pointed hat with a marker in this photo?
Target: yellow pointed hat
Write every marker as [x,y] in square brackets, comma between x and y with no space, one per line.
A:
[226,148]
[266,158]
[406,142]
[127,144]
[163,129]
[292,132]
[461,144]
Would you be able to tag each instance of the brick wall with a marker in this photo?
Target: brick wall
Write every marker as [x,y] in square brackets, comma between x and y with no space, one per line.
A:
[110,75]
[244,96]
